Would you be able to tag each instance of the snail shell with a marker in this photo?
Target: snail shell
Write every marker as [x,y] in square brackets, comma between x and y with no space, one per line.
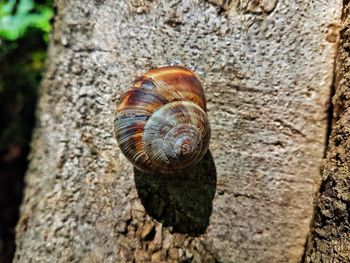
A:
[161,123]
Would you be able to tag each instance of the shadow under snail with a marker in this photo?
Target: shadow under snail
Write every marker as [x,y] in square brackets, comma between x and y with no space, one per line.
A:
[161,123]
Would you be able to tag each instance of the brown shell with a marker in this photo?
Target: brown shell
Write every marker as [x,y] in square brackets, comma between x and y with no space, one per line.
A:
[161,122]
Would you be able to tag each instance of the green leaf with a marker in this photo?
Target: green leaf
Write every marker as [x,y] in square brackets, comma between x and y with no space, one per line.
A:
[24,7]
[6,8]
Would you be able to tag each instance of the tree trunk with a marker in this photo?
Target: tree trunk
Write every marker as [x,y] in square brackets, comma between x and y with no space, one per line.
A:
[267,69]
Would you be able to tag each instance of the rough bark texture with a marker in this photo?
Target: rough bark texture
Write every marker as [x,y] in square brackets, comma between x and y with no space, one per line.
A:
[267,68]
[329,239]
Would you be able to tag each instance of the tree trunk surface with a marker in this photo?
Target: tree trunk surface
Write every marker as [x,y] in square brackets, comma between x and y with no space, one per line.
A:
[267,70]
[329,238]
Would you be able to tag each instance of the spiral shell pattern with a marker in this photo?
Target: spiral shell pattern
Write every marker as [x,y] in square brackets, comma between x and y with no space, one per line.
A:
[161,123]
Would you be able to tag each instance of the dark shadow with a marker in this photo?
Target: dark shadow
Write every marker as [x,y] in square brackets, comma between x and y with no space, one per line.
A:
[183,200]
[21,65]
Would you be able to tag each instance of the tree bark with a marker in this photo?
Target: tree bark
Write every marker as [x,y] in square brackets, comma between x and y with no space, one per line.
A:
[267,69]
[329,238]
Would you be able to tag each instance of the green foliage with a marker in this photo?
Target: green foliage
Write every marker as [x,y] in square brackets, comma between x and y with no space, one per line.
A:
[17,18]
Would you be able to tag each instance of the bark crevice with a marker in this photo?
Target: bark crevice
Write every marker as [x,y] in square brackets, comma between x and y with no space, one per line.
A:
[328,240]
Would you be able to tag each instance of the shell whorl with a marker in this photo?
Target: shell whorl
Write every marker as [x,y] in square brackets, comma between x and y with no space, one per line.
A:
[161,123]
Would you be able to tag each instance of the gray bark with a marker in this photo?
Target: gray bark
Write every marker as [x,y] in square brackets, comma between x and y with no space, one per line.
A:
[267,69]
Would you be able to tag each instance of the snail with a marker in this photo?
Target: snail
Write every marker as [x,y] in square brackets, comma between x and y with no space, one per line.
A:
[161,123]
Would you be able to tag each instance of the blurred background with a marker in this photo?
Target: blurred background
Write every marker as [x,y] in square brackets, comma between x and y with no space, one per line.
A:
[24,31]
